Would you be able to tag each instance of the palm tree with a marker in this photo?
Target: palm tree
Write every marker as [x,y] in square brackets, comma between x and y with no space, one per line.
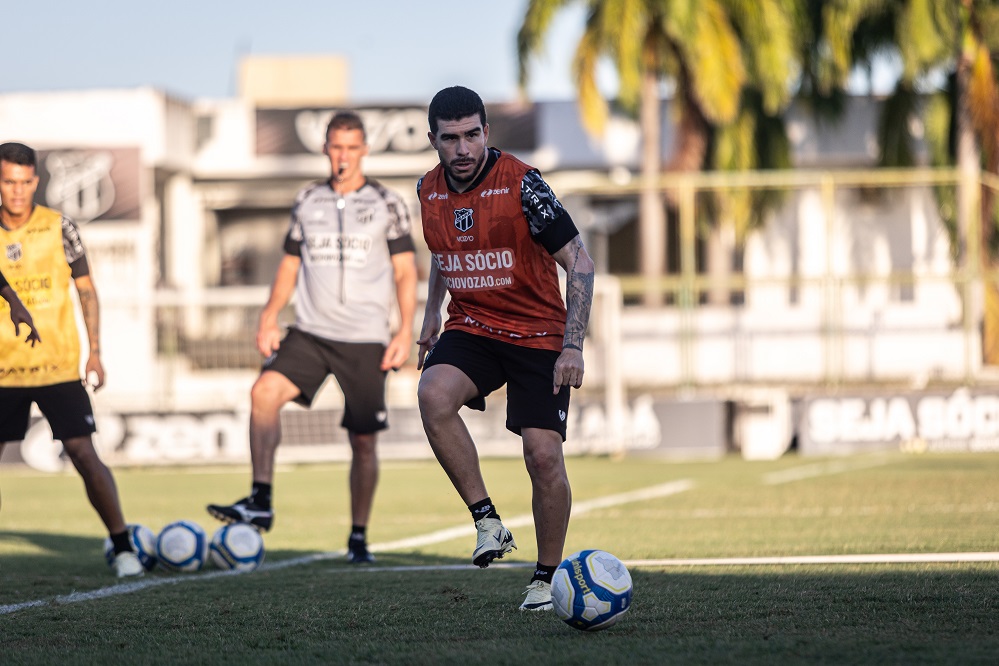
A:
[699,46]
[957,42]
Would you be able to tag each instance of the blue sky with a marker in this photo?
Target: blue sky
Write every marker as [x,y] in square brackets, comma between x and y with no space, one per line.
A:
[397,50]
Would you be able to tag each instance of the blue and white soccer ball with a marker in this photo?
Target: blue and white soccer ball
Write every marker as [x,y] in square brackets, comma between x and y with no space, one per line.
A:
[182,546]
[238,547]
[143,542]
[591,590]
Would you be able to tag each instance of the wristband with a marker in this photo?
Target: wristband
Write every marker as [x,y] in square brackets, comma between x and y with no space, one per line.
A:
[571,346]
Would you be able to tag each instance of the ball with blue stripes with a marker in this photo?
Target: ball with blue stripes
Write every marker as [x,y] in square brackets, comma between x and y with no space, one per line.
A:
[591,590]
[182,546]
[238,547]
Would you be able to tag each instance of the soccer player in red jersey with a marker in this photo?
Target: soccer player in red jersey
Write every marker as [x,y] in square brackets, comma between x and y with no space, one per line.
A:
[497,235]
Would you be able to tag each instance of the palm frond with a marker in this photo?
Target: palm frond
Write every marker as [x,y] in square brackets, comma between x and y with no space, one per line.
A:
[894,138]
[534,27]
[712,54]
[766,30]
[592,106]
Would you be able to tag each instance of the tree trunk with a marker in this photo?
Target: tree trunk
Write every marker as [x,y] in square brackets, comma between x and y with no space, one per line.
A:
[651,214]
[972,253]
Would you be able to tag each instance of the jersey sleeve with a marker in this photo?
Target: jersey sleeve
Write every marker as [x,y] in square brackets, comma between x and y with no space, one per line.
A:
[400,226]
[72,245]
[293,239]
[551,225]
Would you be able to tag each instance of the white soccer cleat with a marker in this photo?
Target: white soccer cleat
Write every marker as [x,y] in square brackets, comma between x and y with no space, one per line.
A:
[539,597]
[127,565]
[493,543]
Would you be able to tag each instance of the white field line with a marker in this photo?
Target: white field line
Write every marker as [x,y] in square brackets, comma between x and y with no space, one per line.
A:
[896,558]
[579,508]
[822,469]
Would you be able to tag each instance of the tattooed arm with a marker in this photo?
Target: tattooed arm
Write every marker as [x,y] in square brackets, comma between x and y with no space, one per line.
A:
[92,320]
[578,266]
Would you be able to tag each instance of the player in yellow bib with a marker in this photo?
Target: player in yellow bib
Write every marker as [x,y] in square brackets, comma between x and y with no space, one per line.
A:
[42,255]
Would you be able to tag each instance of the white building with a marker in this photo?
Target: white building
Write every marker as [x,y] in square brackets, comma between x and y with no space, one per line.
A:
[184,206]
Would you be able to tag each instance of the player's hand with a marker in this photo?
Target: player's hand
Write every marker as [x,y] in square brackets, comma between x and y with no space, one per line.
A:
[268,340]
[397,351]
[20,315]
[95,372]
[428,338]
[425,344]
[568,369]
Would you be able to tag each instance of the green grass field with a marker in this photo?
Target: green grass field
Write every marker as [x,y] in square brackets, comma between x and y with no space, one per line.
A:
[325,611]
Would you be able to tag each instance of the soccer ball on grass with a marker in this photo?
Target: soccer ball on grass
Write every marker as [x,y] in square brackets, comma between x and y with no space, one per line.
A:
[237,546]
[591,590]
[182,546]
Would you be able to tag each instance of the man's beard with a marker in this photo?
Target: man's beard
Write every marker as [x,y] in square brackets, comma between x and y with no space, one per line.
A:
[472,174]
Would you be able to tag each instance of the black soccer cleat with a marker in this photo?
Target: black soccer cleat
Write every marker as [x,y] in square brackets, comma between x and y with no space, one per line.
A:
[243,511]
[358,553]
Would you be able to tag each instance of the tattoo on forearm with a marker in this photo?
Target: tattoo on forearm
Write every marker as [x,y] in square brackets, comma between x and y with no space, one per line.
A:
[578,297]
[91,318]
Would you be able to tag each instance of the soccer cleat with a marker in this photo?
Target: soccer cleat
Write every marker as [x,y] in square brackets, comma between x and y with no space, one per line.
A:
[539,597]
[243,511]
[358,553]
[127,564]
[493,543]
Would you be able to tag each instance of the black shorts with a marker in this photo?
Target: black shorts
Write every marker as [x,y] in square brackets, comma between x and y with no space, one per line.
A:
[308,360]
[66,407]
[528,373]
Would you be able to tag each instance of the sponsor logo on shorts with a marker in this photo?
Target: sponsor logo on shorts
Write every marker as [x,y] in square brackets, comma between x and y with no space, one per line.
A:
[561,415]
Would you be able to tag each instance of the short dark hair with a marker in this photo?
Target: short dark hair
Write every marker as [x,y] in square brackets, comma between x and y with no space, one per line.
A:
[455,103]
[18,153]
[346,120]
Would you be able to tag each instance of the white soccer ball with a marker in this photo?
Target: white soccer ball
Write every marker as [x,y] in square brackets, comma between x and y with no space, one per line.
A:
[591,590]
[182,546]
[238,547]
[143,542]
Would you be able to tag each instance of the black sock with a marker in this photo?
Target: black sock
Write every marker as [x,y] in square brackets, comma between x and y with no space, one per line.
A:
[121,542]
[261,495]
[357,533]
[544,573]
[483,509]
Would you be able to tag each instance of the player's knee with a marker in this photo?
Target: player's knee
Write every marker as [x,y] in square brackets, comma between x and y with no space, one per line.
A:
[266,394]
[433,400]
[544,463]
[81,452]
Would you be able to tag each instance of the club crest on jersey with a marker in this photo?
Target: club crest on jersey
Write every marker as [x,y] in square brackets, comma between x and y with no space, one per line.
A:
[364,215]
[463,219]
[14,250]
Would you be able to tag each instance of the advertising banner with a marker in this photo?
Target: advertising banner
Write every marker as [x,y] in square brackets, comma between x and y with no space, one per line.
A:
[962,420]
[221,436]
